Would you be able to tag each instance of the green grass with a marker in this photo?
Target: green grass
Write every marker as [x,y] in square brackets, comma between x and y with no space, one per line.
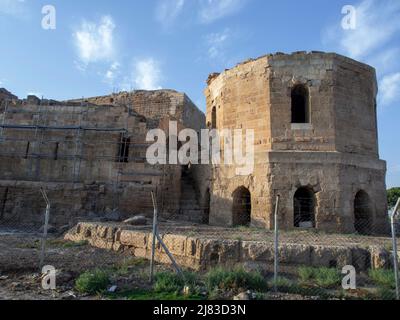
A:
[281,283]
[383,278]
[328,278]
[167,286]
[174,283]
[236,279]
[142,294]
[306,274]
[92,282]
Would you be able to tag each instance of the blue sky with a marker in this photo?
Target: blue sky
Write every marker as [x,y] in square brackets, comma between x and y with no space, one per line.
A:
[100,46]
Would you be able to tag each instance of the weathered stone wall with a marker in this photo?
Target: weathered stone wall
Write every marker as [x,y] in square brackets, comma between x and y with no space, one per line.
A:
[203,253]
[72,149]
[156,106]
[335,155]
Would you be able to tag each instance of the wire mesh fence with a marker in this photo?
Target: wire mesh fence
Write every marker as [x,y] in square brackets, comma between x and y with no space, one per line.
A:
[302,261]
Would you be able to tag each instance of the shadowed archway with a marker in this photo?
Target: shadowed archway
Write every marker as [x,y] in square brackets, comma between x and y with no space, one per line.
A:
[241,211]
[304,208]
[362,213]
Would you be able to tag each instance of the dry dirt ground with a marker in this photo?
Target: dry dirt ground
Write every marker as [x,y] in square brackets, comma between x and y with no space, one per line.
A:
[20,276]
[19,267]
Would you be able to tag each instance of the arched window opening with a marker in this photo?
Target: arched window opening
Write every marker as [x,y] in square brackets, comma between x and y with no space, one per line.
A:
[304,208]
[362,213]
[300,105]
[241,211]
[214,118]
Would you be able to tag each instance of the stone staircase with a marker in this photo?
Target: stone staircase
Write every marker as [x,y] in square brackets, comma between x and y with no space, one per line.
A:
[190,209]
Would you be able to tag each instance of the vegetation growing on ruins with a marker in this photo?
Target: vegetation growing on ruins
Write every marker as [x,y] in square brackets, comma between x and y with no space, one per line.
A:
[383,278]
[393,196]
[236,280]
[323,277]
[92,282]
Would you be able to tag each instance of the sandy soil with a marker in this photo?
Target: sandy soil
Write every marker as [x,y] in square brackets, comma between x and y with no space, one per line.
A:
[20,277]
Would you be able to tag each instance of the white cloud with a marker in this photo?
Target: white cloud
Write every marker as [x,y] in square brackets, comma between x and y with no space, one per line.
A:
[212,10]
[389,88]
[168,10]
[112,73]
[386,60]
[216,43]
[12,7]
[373,41]
[146,75]
[377,23]
[95,41]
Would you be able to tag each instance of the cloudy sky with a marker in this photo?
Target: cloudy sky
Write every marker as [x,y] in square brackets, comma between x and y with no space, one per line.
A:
[100,46]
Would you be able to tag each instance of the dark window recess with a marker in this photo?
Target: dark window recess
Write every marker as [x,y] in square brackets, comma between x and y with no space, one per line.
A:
[214,118]
[300,105]
[56,151]
[123,150]
[28,146]
[3,203]
[304,208]
[362,213]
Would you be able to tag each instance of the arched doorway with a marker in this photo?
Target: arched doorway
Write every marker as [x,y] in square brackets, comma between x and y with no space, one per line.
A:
[362,213]
[241,211]
[304,208]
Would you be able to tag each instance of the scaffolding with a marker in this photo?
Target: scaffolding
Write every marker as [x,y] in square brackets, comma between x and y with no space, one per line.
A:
[37,135]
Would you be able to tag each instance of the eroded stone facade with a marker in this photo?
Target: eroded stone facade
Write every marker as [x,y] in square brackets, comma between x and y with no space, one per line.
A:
[90,156]
[328,157]
[315,125]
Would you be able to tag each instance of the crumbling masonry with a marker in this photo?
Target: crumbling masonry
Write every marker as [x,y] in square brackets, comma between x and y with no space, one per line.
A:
[90,156]
[315,121]
[315,124]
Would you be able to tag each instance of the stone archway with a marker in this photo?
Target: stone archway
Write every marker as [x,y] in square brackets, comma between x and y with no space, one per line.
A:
[304,208]
[362,213]
[241,210]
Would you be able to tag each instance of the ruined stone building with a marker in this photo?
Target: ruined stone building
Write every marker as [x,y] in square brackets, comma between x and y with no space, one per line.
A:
[315,125]
[90,156]
[315,121]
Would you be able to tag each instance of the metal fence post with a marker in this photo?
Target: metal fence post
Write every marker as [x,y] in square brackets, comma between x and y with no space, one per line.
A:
[395,254]
[153,246]
[45,227]
[276,244]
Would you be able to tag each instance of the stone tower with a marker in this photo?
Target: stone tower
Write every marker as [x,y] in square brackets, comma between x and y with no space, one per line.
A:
[315,124]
